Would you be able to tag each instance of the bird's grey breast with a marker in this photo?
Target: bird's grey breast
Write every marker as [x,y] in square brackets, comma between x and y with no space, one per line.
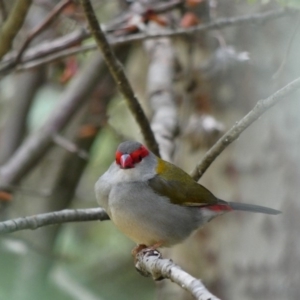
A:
[147,217]
[115,177]
[103,188]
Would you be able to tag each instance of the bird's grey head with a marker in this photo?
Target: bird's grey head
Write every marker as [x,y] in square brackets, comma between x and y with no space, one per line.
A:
[129,154]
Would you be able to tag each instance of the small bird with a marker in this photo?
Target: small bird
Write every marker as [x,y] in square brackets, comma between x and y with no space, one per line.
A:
[155,203]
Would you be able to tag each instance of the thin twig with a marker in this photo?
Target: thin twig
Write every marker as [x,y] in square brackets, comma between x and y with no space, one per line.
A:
[53,218]
[69,146]
[119,76]
[150,263]
[41,27]
[287,51]
[12,25]
[56,56]
[232,134]
[44,49]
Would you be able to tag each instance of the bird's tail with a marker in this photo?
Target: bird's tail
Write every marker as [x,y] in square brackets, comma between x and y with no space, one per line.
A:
[250,207]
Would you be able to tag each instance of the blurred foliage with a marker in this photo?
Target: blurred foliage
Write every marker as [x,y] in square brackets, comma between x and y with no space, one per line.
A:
[44,102]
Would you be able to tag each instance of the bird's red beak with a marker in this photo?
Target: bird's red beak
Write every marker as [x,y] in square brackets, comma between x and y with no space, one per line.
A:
[126,161]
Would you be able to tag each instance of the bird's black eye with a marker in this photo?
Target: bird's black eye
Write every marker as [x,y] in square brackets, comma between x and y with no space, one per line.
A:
[138,158]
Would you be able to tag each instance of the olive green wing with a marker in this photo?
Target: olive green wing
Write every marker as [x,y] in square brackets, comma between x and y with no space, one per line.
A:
[180,188]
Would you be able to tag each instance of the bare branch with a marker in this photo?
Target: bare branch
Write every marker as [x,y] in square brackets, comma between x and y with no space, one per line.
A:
[70,146]
[41,27]
[69,40]
[258,18]
[13,24]
[45,49]
[53,218]
[150,263]
[15,128]
[56,56]
[59,47]
[287,51]
[119,76]
[36,145]
[232,134]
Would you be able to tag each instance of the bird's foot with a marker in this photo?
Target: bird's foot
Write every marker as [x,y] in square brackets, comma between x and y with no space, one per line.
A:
[138,249]
[142,251]
[154,247]
[141,247]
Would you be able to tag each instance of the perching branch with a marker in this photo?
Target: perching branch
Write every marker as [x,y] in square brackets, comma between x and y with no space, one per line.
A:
[60,47]
[119,76]
[53,218]
[150,263]
[12,25]
[231,135]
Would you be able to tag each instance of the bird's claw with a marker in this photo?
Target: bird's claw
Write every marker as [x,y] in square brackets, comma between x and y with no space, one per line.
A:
[137,249]
[145,252]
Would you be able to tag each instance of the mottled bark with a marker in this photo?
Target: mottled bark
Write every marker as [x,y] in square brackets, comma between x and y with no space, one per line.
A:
[252,256]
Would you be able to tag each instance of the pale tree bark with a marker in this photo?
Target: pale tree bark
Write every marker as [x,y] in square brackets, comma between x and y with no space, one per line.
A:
[249,256]
[162,100]
[161,95]
[265,160]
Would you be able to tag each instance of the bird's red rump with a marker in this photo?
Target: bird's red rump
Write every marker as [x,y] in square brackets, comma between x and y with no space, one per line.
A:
[219,207]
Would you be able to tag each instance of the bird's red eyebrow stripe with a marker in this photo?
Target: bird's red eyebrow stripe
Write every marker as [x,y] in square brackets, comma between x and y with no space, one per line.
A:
[118,157]
[141,152]
[135,155]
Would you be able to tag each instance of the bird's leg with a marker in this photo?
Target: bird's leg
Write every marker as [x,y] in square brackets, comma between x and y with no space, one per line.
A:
[154,247]
[147,251]
[142,247]
[137,249]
